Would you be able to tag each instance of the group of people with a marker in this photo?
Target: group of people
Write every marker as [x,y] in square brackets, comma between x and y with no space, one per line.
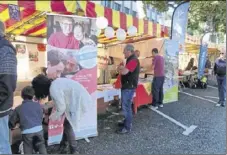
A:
[129,81]
[66,97]
[219,70]
[65,93]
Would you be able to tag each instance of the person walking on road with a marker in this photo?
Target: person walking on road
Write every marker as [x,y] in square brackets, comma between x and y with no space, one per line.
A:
[158,80]
[129,81]
[220,72]
[8,80]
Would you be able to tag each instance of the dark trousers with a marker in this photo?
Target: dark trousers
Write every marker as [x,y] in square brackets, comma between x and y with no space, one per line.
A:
[222,89]
[69,136]
[157,90]
[34,141]
[126,99]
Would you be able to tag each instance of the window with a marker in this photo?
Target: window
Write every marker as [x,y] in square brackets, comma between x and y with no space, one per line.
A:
[134,13]
[126,10]
[117,6]
[107,4]
[154,15]
[150,15]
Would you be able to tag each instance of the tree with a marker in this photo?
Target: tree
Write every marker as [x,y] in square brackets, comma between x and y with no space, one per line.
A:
[204,16]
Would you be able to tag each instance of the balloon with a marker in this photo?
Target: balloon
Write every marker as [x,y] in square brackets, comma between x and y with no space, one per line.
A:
[132,30]
[109,32]
[121,34]
[101,22]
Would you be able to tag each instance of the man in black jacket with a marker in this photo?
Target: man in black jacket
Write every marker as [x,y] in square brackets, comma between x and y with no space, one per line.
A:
[220,72]
[129,81]
[8,79]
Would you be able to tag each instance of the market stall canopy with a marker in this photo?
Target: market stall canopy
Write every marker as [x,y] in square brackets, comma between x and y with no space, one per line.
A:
[193,48]
[28,18]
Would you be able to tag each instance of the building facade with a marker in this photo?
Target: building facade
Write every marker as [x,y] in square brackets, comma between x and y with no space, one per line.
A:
[135,8]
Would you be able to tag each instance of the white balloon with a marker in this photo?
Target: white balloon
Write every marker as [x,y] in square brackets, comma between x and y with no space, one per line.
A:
[132,30]
[121,34]
[101,22]
[109,32]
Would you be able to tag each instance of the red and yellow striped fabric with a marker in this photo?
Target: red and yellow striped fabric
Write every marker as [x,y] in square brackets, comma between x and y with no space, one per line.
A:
[118,19]
[49,6]
[33,21]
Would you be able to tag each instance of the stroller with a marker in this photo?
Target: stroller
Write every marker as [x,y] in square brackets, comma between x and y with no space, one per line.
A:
[199,83]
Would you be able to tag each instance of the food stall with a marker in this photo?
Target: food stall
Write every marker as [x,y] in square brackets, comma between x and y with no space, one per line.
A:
[27,27]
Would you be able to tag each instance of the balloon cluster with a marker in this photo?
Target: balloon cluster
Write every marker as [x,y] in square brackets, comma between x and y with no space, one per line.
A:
[102,23]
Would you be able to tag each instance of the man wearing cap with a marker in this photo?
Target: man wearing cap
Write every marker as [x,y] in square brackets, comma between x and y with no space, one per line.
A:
[8,80]
[129,81]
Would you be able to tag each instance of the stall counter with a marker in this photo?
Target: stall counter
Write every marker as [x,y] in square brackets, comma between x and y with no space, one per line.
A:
[142,95]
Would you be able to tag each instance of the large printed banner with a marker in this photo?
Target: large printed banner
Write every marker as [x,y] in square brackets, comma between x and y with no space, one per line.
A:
[171,53]
[179,24]
[72,53]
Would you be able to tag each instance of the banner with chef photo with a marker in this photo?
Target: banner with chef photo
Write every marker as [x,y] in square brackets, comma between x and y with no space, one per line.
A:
[72,53]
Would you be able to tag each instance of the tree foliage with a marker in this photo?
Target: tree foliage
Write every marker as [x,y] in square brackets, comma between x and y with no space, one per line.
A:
[204,16]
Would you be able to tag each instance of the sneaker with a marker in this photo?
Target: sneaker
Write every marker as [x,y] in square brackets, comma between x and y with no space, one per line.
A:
[161,105]
[120,124]
[222,105]
[153,107]
[123,131]
[218,105]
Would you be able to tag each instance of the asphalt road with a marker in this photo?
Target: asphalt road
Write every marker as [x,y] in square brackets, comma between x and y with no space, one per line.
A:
[155,134]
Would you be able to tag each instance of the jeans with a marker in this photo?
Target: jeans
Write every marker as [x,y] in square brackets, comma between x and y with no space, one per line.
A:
[127,98]
[34,141]
[222,89]
[157,90]
[5,147]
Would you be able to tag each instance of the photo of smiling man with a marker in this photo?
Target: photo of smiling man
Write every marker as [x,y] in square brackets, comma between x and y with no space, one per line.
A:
[65,38]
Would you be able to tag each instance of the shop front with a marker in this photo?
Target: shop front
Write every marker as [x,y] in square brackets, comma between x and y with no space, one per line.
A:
[30,29]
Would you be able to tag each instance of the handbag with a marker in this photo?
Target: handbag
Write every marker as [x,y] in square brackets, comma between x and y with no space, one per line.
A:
[117,84]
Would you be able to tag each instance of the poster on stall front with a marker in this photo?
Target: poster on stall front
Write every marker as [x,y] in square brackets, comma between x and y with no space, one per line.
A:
[72,53]
[171,52]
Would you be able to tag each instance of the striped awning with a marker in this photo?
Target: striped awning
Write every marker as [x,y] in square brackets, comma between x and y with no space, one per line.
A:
[33,18]
[48,5]
[117,19]
[32,15]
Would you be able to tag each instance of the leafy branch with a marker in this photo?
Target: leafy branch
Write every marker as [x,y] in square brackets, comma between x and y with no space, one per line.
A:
[201,14]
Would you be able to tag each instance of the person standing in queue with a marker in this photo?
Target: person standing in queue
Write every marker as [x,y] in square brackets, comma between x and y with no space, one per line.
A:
[158,80]
[220,72]
[129,81]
